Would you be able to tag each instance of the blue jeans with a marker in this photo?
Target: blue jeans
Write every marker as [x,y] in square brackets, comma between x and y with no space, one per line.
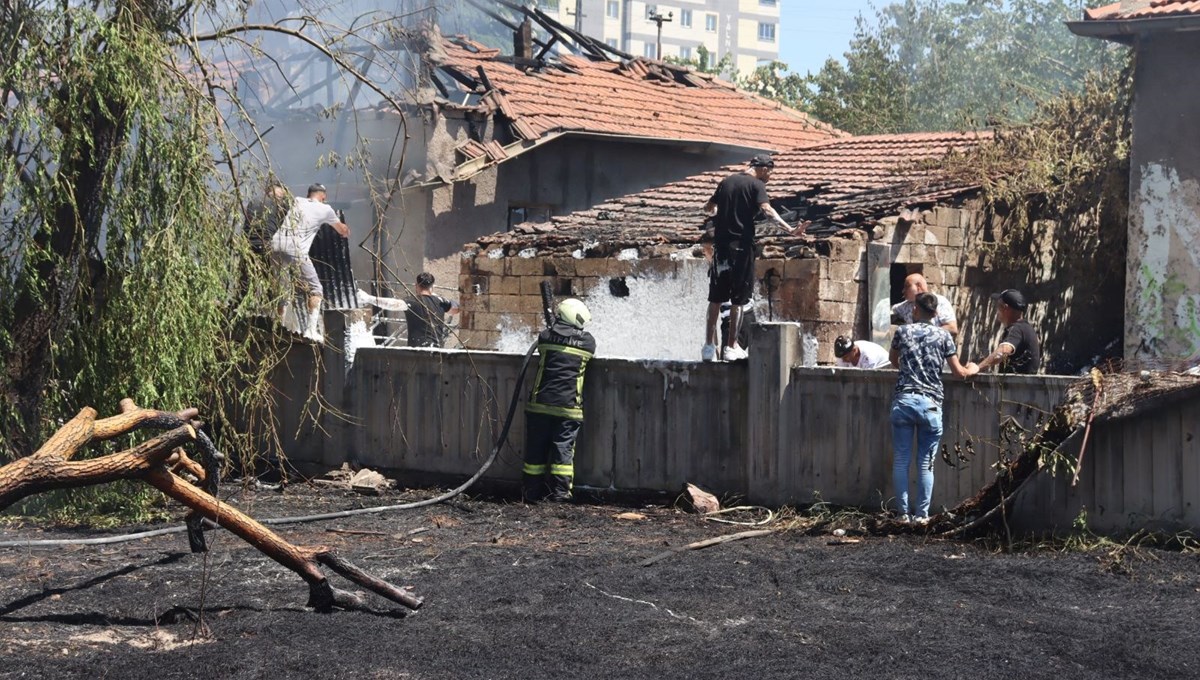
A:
[920,415]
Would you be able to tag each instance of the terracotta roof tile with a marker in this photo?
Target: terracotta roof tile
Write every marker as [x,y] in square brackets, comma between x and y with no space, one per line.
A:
[842,182]
[1143,9]
[637,98]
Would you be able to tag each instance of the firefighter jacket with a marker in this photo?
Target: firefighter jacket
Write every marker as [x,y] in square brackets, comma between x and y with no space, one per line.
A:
[564,355]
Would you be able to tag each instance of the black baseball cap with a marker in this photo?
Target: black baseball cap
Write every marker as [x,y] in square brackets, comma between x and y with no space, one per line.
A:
[762,160]
[1013,298]
[314,188]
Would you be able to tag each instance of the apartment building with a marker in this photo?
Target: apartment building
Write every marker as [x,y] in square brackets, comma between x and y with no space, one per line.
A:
[746,29]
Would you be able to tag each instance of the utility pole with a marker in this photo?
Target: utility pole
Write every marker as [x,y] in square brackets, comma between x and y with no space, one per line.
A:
[579,15]
[660,20]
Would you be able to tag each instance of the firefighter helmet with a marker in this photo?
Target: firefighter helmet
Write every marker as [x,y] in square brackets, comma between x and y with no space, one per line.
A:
[573,312]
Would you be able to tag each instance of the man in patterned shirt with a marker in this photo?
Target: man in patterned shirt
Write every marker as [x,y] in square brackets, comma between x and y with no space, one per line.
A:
[920,349]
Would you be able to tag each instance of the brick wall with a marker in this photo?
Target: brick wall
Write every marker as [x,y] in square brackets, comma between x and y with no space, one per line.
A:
[826,283]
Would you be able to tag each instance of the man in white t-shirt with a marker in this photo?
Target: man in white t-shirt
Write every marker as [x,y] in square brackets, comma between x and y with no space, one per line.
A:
[860,354]
[291,243]
[902,313]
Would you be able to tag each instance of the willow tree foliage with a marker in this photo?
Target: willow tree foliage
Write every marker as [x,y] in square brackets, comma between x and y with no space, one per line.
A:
[123,272]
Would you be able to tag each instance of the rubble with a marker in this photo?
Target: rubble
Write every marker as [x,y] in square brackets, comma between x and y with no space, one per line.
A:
[370,483]
[698,500]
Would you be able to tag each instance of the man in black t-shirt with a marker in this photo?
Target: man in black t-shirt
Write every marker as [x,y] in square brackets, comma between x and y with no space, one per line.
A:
[733,207]
[426,314]
[1019,351]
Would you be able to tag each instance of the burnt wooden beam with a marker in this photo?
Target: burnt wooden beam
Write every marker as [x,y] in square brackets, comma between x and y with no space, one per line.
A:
[153,461]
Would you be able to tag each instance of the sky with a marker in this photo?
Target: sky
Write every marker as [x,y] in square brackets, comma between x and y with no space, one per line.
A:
[814,30]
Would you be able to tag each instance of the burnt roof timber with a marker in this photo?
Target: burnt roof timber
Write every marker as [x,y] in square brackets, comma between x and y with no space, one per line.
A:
[505,22]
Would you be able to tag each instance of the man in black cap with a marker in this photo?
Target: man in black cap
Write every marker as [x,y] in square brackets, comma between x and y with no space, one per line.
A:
[733,207]
[1019,351]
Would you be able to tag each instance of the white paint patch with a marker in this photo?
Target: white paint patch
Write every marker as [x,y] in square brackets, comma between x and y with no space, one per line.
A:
[1161,319]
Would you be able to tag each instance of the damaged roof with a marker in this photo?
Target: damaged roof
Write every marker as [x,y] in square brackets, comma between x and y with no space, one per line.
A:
[1142,9]
[841,183]
[633,98]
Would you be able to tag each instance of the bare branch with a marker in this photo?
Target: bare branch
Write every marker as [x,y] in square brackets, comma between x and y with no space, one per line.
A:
[299,35]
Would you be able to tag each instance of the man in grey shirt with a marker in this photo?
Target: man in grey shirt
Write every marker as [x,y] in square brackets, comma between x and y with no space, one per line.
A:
[290,246]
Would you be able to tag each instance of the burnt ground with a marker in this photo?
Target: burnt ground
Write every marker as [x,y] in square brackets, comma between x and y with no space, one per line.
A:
[557,592]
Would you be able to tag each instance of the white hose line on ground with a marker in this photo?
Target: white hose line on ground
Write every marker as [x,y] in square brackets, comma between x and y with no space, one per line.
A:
[712,516]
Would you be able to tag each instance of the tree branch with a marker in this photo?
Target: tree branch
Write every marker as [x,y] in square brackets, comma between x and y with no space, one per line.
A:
[275,28]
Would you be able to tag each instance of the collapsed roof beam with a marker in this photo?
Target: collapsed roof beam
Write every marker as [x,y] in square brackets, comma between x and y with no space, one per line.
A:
[564,34]
[595,47]
[502,20]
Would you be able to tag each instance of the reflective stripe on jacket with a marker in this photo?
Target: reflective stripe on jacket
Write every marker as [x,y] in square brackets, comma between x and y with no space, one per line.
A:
[564,353]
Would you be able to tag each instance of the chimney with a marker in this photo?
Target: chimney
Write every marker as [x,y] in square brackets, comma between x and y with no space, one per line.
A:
[523,40]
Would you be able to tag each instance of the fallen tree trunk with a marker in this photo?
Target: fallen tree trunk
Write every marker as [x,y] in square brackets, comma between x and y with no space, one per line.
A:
[1093,400]
[155,462]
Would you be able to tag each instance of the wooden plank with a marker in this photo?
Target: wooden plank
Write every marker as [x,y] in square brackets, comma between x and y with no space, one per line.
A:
[1137,480]
[1189,455]
[1167,499]
[1106,459]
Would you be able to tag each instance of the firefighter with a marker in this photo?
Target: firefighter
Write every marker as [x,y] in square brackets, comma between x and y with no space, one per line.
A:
[554,414]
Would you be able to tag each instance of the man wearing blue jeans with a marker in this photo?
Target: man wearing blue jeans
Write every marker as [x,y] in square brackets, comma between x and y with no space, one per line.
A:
[919,350]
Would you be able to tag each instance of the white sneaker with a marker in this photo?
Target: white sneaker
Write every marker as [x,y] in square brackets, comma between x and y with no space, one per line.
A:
[922,521]
[314,335]
[734,353]
[708,353]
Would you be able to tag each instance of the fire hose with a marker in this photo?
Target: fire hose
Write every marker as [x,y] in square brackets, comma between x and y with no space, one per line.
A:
[548,307]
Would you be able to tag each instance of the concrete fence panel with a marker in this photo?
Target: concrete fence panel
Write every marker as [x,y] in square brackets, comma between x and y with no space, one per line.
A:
[767,430]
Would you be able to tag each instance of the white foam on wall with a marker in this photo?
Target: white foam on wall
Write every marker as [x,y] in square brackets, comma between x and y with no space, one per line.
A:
[662,318]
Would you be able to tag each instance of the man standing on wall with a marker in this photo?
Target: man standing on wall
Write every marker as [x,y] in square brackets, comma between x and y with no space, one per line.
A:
[919,350]
[1019,351]
[902,312]
[554,414]
[734,205]
[426,314]
[291,243]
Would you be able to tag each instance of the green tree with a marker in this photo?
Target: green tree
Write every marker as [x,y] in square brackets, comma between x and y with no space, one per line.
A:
[869,95]
[124,164]
[955,64]
[704,63]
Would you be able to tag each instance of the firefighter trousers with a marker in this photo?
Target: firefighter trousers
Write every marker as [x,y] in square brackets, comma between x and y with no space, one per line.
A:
[549,470]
